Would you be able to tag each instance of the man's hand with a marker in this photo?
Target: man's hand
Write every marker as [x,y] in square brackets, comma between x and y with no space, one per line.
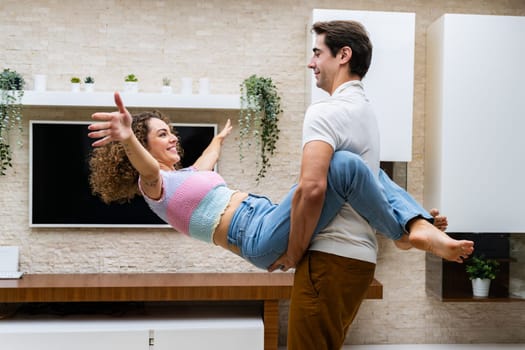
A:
[284,263]
[440,221]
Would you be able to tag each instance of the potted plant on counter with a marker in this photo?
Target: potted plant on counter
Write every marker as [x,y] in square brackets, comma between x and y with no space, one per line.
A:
[166,85]
[89,83]
[481,271]
[258,119]
[11,93]
[75,84]
[131,83]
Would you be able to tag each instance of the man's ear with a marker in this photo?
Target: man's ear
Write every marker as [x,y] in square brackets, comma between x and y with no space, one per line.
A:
[346,54]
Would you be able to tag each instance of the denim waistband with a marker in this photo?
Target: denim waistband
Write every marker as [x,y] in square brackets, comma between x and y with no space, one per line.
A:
[242,218]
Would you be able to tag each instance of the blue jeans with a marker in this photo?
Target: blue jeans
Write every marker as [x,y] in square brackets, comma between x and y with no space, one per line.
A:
[261,228]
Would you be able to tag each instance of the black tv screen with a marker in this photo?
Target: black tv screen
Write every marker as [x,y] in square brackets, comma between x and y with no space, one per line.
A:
[60,195]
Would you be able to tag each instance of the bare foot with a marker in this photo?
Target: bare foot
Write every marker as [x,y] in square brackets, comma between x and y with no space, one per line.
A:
[403,243]
[425,236]
[440,221]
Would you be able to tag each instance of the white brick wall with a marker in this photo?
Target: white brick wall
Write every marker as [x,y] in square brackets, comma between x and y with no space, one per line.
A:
[225,40]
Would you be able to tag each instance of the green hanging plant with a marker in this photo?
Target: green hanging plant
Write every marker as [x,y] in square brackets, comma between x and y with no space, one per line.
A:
[258,120]
[11,93]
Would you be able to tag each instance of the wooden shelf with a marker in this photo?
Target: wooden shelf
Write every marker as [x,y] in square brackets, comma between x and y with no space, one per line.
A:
[132,100]
[153,287]
[265,288]
[146,287]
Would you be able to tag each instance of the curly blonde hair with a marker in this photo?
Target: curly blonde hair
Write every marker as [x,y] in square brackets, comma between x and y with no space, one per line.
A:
[112,177]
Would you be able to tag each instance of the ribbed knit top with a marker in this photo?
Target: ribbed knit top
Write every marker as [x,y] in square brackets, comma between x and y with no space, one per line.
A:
[192,201]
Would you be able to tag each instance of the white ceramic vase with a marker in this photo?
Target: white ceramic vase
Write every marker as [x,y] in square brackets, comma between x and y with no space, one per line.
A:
[166,89]
[39,81]
[480,287]
[75,87]
[89,87]
[131,86]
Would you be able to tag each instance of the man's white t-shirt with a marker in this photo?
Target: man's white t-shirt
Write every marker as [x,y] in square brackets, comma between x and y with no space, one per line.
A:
[346,121]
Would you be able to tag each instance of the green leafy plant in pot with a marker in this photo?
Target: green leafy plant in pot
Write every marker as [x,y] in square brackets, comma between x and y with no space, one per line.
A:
[75,84]
[481,271]
[166,85]
[258,120]
[11,93]
[131,82]
[131,78]
[89,83]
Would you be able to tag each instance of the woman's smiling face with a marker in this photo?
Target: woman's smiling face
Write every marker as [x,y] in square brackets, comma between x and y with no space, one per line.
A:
[163,144]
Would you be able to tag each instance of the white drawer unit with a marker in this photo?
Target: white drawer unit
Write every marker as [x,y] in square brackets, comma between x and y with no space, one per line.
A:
[188,332]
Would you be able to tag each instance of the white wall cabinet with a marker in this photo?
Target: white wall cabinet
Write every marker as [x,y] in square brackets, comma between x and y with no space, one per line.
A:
[475,122]
[389,83]
[227,332]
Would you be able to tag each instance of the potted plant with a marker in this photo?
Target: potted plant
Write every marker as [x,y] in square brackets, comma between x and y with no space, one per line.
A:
[166,85]
[481,271]
[131,83]
[89,84]
[75,84]
[258,120]
[11,93]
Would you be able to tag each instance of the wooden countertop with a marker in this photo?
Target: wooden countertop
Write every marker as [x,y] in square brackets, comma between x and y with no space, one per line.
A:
[153,287]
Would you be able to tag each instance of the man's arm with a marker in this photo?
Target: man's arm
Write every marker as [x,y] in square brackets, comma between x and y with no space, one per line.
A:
[307,202]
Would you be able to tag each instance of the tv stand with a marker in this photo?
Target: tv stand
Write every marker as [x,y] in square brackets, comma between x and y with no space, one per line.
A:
[264,288]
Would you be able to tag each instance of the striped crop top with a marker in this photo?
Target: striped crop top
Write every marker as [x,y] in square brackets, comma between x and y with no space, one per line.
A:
[192,201]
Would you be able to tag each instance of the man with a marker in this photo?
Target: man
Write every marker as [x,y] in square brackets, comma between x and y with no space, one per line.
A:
[333,276]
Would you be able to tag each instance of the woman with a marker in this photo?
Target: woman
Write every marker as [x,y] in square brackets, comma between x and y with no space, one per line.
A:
[141,156]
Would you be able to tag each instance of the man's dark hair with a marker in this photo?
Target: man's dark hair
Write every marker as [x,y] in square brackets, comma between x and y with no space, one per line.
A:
[339,34]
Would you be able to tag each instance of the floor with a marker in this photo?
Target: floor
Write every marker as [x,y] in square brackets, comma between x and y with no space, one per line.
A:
[439,347]
[434,347]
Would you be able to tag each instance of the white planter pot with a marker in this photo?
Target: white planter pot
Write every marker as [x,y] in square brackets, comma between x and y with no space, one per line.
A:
[131,86]
[75,87]
[167,89]
[89,87]
[480,287]
[187,86]
[39,82]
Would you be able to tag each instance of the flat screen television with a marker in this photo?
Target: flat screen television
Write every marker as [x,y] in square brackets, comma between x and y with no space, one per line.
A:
[60,195]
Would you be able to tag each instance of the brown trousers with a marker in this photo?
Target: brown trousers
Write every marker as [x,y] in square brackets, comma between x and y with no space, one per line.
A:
[327,293]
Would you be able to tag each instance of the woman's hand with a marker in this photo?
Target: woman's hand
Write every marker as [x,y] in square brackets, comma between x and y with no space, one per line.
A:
[114,126]
[225,131]
[210,155]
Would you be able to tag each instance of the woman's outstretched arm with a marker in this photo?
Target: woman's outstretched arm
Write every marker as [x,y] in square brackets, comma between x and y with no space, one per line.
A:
[211,154]
[116,127]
